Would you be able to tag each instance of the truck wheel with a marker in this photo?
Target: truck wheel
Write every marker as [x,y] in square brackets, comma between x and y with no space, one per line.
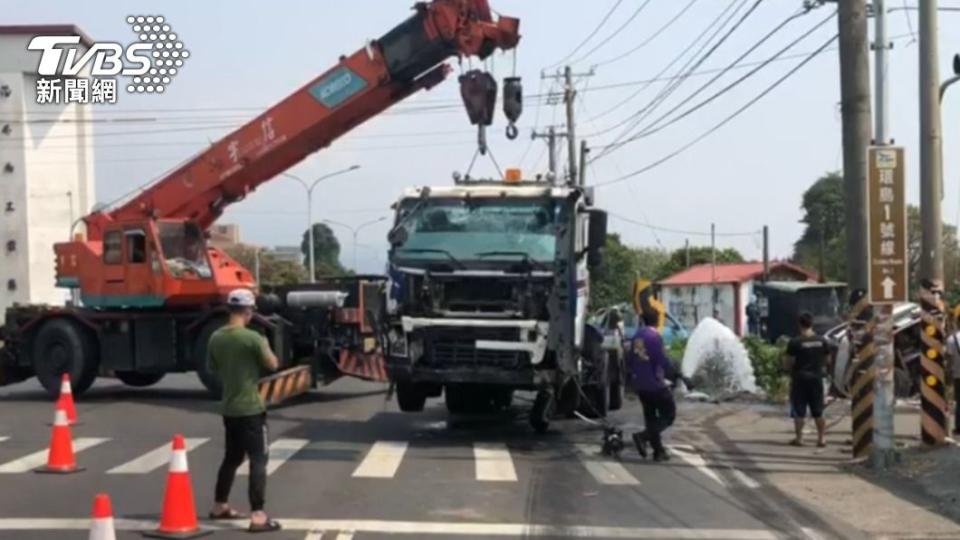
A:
[207,377]
[410,397]
[543,409]
[63,346]
[139,380]
[457,398]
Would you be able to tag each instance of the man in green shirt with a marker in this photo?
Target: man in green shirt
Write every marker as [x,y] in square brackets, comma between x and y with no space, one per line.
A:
[237,355]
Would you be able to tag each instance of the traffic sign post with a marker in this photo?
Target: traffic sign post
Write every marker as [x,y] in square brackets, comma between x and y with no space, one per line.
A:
[888,280]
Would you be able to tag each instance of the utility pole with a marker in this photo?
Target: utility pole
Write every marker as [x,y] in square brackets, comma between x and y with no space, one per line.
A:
[933,399]
[569,95]
[766,253]
[884,451]
[855,109]
[822,251]
[713,268]
[686,251]
[584,152]
[931,254]
[569,99]
[551,138]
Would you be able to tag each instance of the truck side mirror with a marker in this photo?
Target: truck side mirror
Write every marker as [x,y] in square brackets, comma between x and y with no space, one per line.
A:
[397,236]
[597,237]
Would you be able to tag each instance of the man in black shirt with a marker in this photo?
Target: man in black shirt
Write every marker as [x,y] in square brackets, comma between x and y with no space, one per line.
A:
[806,358]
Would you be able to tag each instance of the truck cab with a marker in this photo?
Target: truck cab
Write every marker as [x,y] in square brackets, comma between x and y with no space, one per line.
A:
[488,293]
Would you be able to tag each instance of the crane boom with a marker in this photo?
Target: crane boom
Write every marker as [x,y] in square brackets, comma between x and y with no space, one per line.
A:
[149,252]
[361,86]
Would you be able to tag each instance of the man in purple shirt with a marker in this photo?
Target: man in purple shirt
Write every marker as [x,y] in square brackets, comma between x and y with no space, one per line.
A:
[648,369]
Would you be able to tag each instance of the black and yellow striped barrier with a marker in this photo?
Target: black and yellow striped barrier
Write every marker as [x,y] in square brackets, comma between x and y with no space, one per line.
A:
[284,385]
[863,352]
[933,390]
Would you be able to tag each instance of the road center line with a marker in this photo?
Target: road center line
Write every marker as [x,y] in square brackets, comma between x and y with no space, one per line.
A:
[280,451]
[493,463]
[603,469]
[154,459]
[32,461]
[696,461]
[421,528]
[382,461]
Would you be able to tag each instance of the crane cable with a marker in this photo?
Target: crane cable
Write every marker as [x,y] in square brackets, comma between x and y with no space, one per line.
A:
[723,122]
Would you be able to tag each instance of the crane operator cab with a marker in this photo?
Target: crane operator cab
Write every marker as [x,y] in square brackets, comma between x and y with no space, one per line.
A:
[151,263]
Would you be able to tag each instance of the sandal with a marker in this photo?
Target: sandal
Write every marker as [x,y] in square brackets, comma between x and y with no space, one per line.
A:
[229,513]
[268,526]
[821,444]
[795,442]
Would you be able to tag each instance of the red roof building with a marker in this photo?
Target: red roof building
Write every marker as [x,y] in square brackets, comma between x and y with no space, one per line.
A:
[694,293]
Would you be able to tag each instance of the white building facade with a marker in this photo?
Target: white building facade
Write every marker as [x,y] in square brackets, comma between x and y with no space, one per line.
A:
[46,171]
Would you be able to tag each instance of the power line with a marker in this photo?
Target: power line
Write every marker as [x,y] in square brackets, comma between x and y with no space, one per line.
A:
[649,39]
[723,122]
[715,26]
[615,33]
[678,231]
[661,98]
[590,36]
[652,127]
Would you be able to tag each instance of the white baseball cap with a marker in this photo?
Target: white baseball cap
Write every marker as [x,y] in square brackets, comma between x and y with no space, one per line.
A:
[242,298]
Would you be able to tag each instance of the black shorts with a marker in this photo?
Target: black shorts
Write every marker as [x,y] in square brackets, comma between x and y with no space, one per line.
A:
[806,394]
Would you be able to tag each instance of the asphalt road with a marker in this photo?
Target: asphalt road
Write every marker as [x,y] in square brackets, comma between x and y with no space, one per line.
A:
[348,464]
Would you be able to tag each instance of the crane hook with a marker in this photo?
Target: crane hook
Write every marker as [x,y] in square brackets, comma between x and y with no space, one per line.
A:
[512,104]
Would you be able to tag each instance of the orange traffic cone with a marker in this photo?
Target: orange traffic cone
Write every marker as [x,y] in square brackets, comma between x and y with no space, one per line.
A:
[101,521]
[179,517]
[60,458]
[66,399]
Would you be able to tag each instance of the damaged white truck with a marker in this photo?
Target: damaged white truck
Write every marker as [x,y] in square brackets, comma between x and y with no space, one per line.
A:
[488,294]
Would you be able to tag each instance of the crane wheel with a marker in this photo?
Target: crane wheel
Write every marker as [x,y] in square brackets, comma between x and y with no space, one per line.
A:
[139,380]
[63,346]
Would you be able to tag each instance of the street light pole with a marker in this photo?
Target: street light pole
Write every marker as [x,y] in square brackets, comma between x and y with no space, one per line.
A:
[354,231]
[309,189]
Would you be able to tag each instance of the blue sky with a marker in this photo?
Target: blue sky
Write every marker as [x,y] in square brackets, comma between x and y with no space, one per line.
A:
[247,55]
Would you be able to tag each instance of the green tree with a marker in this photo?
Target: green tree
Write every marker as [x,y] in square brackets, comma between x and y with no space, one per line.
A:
[613,281]
[273,271]
[677,260]
[326,251]
[823,214]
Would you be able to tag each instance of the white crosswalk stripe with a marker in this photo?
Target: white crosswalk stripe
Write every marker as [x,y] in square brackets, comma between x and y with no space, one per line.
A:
[382,461]
[4,438]
[154,459]
[280,451]
[493,463]
[696,461]
[32,461]
[604,469]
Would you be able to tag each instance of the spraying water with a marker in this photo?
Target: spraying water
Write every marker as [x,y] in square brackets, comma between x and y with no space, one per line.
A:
[717,362]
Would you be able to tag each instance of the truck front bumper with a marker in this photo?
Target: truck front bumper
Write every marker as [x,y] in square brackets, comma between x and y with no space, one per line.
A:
[400,369]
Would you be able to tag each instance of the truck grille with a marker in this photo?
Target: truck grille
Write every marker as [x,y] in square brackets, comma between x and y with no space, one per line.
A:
[457,347]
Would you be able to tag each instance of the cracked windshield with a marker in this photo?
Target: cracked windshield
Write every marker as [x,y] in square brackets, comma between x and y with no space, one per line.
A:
[480,269]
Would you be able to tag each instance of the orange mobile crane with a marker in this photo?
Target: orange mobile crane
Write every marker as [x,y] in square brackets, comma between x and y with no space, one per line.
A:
[151,290]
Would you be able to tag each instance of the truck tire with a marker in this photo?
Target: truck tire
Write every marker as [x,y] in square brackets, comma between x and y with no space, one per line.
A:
[207,377]
[63,346]
[457,398]
[139,380]
[410,397]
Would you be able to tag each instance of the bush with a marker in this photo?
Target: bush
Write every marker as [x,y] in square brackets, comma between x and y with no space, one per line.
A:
[767,367]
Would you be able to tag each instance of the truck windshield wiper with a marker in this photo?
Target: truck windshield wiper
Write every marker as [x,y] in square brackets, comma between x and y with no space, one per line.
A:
[526,257]
[435,250]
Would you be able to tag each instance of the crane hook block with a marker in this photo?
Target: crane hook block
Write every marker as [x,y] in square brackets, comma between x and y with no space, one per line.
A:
[512,104]
[479,92]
